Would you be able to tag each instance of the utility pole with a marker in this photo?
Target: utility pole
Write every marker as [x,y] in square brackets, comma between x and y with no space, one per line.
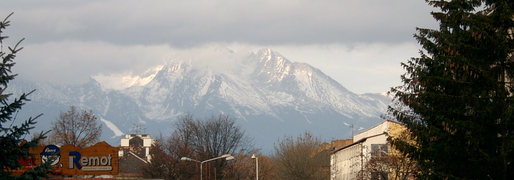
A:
[256,166]
[351,126]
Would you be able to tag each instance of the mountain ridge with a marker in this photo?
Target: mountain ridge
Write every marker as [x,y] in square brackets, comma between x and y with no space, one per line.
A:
[264,91]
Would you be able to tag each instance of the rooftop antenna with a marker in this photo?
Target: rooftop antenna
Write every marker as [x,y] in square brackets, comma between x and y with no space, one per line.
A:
[136,128]
[351,126]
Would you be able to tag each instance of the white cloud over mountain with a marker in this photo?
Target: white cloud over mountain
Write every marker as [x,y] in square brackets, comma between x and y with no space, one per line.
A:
[358,43]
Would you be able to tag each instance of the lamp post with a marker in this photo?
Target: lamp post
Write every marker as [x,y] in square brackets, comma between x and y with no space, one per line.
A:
[256,166]
[226,156]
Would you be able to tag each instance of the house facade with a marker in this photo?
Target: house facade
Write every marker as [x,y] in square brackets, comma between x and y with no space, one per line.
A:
[133,152]
[349,162]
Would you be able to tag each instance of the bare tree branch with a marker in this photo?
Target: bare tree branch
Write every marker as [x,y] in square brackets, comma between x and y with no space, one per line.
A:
[74,128]
[300,158]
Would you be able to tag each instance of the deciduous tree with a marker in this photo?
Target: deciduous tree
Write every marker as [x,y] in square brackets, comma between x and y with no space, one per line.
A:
[199,139]
[243,167]
[76,128]
[457,98]
[300,158]
[166,154]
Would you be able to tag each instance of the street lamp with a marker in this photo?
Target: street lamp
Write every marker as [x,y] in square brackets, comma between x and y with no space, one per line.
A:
[256,166]
[226,156]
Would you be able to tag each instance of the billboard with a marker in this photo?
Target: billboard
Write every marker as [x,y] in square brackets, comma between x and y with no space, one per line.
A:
[99,159]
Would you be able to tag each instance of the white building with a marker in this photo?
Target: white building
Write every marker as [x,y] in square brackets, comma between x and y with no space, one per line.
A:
[133,152]
[347,162]
[147,142]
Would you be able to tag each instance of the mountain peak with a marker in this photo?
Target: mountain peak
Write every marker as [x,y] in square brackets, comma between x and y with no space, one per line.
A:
[271,65]
[267,54]
[268,92]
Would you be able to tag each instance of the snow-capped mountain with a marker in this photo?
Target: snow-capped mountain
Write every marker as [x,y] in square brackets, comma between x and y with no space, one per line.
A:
[269,95]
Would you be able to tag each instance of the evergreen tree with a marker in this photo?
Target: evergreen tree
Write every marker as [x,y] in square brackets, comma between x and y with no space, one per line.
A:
[13,145]
[457,98]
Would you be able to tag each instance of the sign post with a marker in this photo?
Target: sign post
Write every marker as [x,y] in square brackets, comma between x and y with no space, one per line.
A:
[99,159]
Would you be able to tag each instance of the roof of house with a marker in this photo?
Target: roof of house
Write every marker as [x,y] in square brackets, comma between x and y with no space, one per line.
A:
[365,138]
[356,142]
[387,120]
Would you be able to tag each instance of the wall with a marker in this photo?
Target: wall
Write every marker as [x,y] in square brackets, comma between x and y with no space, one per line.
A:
[347,162]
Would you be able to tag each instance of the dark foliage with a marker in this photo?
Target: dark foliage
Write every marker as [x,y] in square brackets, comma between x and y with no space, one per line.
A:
[457,98]
[13,134]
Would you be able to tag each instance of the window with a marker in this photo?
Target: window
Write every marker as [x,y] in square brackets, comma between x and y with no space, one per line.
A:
[379,162]
[379,148]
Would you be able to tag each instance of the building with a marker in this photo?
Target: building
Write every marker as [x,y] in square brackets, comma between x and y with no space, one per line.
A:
[349,162]
[134,152]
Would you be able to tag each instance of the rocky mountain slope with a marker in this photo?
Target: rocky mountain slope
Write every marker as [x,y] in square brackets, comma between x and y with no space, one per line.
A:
[269,95]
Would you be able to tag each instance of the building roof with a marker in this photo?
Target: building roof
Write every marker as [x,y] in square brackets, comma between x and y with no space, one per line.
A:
[387,120]
[356,142]
[365,138]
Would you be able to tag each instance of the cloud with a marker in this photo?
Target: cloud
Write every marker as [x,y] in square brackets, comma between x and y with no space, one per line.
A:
[362,68]
[358,43]
[216,56]
[75,61]
[194,23]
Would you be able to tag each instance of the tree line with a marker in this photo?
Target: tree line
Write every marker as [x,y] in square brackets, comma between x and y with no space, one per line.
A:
[203,139]
[195,138]
[199,139]
[456,102]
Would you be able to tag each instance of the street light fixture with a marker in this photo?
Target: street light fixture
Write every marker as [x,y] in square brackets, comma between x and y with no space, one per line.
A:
[187,159]
[256,166]
[227,157]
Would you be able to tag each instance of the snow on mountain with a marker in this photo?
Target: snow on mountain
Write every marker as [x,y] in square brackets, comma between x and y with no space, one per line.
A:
[112,127]
[270,95]
[122,81]
[275,81]
[310,86]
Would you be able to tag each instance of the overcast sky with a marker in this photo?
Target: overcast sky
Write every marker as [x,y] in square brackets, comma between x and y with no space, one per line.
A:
[360,44]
